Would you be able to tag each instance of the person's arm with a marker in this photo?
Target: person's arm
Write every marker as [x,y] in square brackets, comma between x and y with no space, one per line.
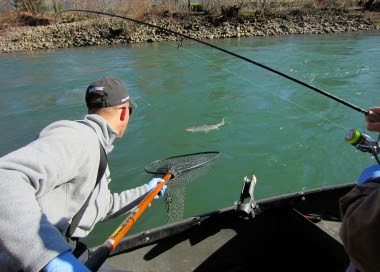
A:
[24,228]
[27,175]
[360,214]
[121,203]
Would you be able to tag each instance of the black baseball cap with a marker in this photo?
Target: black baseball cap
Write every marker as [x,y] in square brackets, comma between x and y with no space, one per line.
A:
[112,92]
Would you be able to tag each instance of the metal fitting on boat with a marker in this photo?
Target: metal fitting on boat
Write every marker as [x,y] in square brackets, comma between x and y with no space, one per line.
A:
[247,208]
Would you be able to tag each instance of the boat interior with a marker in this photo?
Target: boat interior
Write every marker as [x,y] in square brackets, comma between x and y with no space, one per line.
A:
[295,232]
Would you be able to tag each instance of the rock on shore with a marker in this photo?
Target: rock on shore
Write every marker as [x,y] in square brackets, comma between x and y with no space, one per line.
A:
[107,31]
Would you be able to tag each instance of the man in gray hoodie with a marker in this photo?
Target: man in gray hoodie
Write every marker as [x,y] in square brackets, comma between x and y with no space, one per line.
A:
[44,184]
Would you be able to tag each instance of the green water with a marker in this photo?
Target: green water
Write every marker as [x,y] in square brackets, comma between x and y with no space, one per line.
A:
[290,137]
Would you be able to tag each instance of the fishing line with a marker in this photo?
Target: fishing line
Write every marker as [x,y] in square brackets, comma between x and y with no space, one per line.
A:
[257,85]
[365,112]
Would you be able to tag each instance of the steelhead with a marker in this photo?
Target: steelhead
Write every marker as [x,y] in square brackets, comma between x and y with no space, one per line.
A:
[205,128]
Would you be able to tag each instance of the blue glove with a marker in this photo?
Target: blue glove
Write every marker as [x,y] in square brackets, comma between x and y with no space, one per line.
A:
[153,183]
[65,262]
[370,172]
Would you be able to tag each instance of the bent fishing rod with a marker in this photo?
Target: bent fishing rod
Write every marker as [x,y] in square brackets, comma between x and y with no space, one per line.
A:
[370,114]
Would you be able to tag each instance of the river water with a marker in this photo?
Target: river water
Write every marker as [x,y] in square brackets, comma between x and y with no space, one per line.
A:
[290,137]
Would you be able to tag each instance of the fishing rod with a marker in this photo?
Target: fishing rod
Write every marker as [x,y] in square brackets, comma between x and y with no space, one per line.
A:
[370,114]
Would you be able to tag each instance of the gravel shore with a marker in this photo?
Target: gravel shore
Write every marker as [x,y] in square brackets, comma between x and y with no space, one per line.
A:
[110,31]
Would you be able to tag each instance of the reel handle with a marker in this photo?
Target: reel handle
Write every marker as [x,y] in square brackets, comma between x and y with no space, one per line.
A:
[373,116]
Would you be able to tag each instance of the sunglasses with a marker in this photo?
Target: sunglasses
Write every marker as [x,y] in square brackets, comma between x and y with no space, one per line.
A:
[129,109]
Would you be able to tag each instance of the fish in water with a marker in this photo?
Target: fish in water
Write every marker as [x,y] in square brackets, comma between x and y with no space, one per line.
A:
[205,128]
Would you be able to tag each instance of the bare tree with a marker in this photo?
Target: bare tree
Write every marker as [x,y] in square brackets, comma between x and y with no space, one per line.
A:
[55,6]
[31,6]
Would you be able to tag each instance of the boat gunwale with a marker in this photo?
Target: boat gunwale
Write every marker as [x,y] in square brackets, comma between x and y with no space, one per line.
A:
[296,200]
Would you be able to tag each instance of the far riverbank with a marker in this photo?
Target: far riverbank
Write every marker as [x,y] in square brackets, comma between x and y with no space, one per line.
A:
[110,31]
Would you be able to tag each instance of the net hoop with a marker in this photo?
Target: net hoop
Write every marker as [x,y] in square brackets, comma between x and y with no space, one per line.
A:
[150,168]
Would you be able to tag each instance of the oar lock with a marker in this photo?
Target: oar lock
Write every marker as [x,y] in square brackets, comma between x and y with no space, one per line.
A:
[363,142]
[249,208]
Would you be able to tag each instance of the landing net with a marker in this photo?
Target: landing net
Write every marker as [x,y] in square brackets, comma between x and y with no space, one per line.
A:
[184,168]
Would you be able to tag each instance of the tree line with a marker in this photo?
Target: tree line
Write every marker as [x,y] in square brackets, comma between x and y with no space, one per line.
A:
[136,7]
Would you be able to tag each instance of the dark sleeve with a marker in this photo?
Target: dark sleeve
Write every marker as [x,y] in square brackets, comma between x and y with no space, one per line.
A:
[360,229]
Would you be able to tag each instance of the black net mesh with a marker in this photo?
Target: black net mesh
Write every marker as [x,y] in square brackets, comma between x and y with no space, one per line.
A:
[184,168]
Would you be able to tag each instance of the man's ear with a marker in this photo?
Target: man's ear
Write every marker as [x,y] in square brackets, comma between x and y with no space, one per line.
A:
[123,114]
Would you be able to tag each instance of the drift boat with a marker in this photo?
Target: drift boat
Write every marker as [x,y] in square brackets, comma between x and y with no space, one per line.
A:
[292,232]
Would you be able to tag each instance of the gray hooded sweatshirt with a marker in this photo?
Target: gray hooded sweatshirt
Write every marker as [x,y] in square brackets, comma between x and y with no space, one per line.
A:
[45,183]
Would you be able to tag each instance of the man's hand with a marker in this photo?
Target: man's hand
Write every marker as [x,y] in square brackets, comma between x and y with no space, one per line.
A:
[153,183]
[373,119]
[369,173]
[65,262]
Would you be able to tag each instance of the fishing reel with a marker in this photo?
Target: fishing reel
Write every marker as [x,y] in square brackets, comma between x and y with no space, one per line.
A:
[364,143]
